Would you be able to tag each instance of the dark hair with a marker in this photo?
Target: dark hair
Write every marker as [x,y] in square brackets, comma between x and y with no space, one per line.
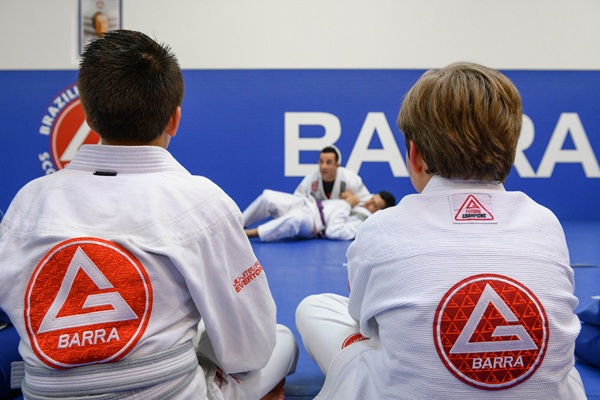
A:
[129,86]
[334,150]
[388,198]
[465,119]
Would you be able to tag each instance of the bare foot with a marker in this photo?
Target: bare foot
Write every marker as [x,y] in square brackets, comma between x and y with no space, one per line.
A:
[251,232]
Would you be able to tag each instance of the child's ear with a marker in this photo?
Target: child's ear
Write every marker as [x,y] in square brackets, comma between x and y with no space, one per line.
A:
[173,123]
[415,158]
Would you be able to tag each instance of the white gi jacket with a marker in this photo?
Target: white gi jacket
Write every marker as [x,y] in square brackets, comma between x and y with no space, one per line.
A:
[466,292]
[119,256]
[312,185]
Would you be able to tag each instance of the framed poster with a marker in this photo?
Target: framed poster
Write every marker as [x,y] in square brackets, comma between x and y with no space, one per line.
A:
[97,17]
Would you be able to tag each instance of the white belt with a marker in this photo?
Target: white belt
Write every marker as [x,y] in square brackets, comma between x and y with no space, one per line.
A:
[110,380]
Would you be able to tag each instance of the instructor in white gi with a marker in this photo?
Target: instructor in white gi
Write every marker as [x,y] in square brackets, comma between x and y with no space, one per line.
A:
[330,181]
[463,291]
[109,265]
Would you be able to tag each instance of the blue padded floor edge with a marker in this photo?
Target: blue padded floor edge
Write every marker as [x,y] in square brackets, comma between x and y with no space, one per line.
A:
[296,269]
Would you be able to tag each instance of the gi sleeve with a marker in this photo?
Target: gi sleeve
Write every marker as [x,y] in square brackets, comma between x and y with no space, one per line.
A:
[304,188]
[340,226]
[356,186]
[362,192]
[362,261]
[231,292]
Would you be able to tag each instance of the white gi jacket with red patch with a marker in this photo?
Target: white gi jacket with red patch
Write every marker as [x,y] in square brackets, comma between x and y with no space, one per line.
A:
[465,292]
[119,255]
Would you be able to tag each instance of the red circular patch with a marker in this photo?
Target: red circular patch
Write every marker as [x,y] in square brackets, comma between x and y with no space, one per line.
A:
[69,132]
[491,332]
[88,301]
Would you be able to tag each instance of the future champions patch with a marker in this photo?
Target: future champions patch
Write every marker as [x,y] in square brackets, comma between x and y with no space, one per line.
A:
[472,208]
[88,301]
[491,332]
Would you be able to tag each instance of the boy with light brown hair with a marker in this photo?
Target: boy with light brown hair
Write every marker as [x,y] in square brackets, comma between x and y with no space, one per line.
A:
[465,289]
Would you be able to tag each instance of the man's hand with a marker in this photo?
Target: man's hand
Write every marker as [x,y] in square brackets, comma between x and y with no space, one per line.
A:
[350,198]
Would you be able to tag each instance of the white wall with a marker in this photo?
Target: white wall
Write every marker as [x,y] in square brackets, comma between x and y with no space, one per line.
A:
[355,34]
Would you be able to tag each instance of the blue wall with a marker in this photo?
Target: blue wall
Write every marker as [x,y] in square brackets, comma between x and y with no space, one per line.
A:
[233,128]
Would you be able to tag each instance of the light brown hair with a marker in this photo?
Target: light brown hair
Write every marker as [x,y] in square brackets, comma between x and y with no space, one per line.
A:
[465,119]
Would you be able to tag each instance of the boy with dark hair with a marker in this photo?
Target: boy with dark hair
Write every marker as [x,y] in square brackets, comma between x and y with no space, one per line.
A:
[463,291]
[111,264]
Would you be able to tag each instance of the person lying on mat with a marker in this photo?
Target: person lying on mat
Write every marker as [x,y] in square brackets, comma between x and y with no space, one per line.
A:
[296,217]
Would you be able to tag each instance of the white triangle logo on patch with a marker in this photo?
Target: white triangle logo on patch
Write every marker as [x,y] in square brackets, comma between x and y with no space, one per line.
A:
[472,208]
[489,296]
[121,311]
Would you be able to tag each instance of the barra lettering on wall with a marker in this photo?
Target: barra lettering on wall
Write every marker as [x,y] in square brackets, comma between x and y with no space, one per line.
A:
[375,123]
